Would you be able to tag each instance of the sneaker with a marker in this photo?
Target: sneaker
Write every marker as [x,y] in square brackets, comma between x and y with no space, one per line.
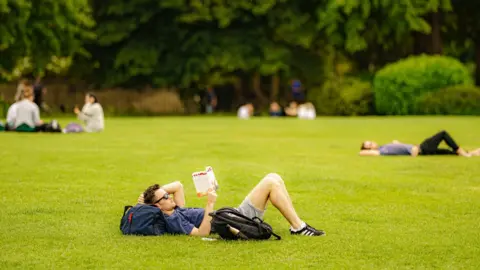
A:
[308,231]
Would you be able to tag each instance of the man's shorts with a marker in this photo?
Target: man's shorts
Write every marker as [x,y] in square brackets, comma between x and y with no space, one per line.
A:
[247,209]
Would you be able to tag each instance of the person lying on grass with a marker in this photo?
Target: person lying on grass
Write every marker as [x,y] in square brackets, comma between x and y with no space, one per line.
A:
[196,221]
[428,147]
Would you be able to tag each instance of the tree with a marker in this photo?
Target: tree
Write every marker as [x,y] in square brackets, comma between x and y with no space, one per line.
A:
[40,30]
[378,26]
[465,28]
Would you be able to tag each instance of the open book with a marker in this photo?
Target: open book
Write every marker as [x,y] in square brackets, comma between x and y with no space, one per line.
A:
[204,181]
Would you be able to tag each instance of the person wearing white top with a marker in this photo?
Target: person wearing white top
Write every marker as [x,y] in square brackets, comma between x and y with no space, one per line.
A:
[245,111]
[26,112]
[306,111]
[91,114]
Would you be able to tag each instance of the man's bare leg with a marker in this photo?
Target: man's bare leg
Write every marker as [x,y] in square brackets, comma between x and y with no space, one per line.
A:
[272,188]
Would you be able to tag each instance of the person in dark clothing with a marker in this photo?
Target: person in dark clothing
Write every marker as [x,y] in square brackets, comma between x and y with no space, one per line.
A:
[211,100]
[428,147]
[275,110]
[38,92]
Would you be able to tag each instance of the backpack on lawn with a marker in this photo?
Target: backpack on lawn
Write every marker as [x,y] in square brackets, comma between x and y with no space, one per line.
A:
[142,219]
[230,224]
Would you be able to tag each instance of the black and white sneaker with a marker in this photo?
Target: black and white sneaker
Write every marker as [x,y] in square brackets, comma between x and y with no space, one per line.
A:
[308,231]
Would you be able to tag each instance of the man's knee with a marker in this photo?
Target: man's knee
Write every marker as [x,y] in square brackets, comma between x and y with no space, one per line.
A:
[273,179]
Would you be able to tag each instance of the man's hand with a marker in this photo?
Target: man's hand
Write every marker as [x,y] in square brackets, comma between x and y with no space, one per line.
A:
[76,110]
[212,197]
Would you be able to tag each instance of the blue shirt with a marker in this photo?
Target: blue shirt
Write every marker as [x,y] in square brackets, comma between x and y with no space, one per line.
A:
[395,149]
[183,220]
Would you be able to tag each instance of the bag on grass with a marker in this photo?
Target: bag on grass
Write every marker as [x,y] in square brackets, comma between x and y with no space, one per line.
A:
[142,219]
[230,224]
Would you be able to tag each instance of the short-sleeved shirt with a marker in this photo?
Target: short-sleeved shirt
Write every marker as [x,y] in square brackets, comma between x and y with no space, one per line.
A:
[395,149]
[183,220]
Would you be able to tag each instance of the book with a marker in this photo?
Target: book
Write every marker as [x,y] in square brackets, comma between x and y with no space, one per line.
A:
[204,181]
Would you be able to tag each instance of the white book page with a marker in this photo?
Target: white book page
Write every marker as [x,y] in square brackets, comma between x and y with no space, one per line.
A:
[204,181]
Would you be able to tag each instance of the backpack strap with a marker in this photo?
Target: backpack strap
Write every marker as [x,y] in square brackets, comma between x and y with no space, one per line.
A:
[126,208]
[268,229]
[238,214]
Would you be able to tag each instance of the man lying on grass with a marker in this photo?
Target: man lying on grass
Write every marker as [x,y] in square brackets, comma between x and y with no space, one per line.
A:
[196,221]
[428,147]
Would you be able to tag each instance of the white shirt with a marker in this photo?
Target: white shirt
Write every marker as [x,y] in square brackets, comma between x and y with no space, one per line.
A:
[27,113]
[12,113]
[305,112]
[243,112]
[92,115]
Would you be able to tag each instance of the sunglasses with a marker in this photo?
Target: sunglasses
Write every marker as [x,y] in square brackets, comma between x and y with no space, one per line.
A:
[165,196]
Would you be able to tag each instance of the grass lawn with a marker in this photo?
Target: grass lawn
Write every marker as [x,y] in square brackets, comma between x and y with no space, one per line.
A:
[61,196]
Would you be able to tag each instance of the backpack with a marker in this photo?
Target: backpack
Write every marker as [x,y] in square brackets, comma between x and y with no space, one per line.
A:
[142,219]
[230,224]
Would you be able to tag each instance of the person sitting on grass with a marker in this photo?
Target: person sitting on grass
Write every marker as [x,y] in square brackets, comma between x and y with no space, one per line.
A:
[428,147]
[27,115]
[196,221]
[246,111]
[275,110]
[91,114]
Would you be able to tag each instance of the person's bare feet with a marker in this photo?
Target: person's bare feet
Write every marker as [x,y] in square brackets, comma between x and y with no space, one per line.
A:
[475,152]
[463,153]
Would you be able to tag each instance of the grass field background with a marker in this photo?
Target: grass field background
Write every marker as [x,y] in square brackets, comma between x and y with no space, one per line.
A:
[62,196]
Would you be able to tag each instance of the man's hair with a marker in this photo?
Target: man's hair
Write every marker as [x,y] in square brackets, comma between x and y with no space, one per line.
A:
[149,194]
[362,147]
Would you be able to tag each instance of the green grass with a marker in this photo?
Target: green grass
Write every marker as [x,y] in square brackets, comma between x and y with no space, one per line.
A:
[62,195]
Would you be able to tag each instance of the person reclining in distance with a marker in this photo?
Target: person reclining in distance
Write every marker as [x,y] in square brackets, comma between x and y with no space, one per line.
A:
[428,147]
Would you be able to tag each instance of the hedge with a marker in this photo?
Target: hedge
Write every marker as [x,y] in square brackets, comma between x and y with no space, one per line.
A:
[456,100]
[398,86]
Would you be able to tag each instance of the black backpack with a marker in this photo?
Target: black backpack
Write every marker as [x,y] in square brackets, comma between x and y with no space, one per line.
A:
[230,224]
[142,219]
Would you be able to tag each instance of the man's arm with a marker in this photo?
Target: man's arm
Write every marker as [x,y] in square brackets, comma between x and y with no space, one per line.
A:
[206,226]
[369,153]
[176,188]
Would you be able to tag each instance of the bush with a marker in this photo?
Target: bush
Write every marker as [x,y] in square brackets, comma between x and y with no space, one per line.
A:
[397,86]
[344,96]
[456,100]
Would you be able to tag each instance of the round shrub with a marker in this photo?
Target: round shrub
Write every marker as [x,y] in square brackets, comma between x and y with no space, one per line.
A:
[456,100]
[344,96]
[397,86]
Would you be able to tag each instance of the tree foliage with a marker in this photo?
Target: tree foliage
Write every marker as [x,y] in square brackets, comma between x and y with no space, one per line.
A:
[181,43]
[38,30]
[354,25]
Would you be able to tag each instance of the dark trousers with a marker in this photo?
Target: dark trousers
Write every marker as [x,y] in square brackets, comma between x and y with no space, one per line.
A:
[41,128]
[430,145]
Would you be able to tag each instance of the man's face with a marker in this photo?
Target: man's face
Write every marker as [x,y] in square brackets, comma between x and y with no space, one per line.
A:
[161,201]
[370,145]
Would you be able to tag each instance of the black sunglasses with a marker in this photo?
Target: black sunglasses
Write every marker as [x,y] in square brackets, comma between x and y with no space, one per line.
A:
[165,196]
